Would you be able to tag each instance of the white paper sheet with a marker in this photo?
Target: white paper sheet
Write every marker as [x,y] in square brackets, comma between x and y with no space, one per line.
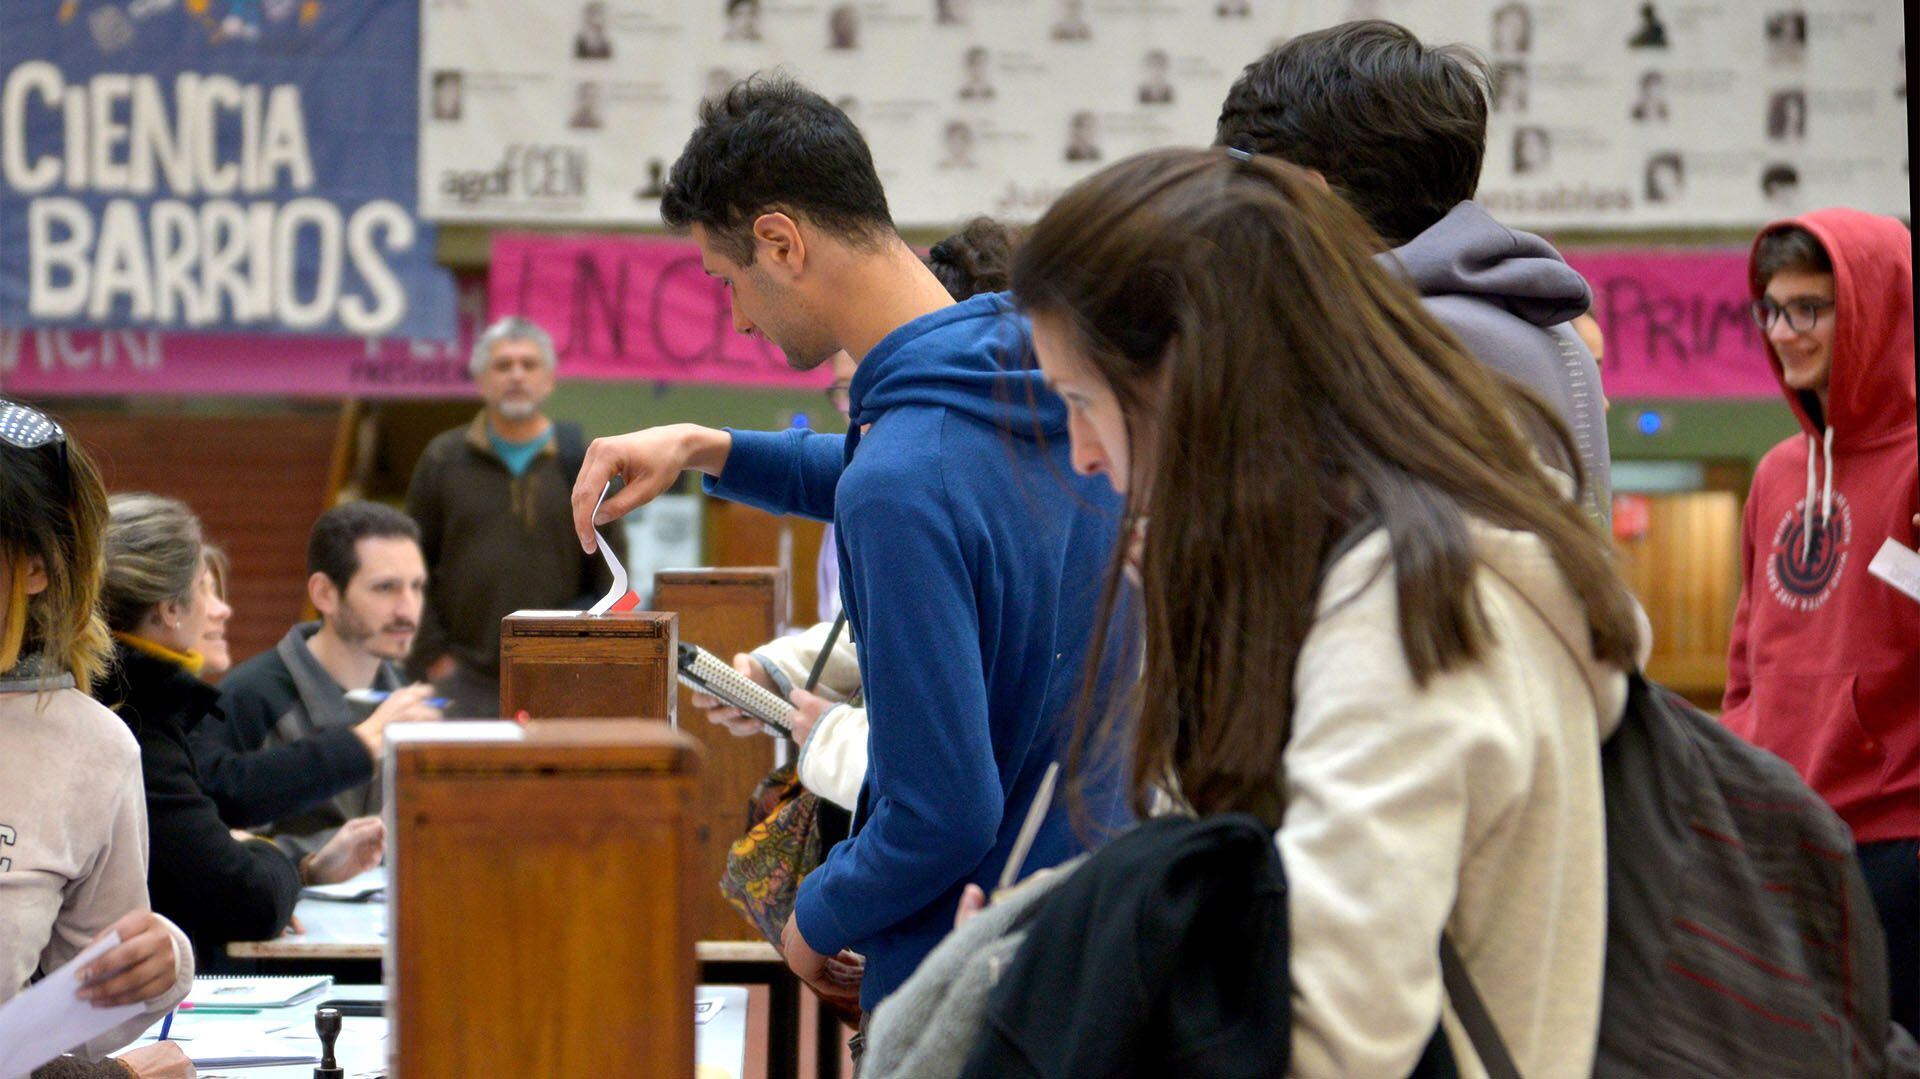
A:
[47,1019]
[1897,566]
[620,588]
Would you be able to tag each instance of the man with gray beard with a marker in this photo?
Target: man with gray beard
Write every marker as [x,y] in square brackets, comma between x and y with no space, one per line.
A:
[491,500]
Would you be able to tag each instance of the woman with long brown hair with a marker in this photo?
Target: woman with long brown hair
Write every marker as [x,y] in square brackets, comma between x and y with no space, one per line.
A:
[73,832]
[1372,619]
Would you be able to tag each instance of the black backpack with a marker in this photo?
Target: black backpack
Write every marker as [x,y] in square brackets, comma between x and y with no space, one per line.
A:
[1741,938]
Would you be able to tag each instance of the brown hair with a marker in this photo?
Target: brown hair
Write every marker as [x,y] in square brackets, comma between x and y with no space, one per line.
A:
[53,507]
[1302,394]
[154,554]
[1789,247]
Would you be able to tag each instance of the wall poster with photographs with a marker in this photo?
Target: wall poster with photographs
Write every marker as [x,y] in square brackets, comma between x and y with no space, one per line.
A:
[1697,112]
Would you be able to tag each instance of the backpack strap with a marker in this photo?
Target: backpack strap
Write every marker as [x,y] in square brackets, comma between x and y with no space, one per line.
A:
[1473,1013]
[570,443]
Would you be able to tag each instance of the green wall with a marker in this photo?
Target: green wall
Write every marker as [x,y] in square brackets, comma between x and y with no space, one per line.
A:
[1700,430]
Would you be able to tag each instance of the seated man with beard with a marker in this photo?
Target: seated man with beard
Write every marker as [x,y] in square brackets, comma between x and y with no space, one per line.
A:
[292,759]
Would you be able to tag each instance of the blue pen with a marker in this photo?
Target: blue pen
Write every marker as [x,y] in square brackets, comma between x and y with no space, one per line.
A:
[371,698]
[166,1025]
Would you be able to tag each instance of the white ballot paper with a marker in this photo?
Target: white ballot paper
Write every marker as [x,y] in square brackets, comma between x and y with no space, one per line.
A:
[620,597]
[47,1019]
[1897,566]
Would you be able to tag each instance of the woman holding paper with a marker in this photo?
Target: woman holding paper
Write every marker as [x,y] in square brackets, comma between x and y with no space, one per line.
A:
[73,855]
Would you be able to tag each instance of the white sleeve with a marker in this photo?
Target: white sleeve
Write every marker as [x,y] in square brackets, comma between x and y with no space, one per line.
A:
[789,660]
[1378,775]
[833,762]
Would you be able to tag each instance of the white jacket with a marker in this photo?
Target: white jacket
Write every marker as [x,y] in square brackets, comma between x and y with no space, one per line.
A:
[833,760]
[1472,805]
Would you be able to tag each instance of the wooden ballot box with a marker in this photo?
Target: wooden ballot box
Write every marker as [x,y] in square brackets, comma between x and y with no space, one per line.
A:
[542,899]
[566,663]
[725,610]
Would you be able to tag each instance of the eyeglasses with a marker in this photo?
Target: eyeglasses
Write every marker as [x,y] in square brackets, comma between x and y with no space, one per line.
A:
[1801,315]
[840,395]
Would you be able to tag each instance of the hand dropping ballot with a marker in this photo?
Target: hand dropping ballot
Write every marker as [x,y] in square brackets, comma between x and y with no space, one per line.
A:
[621,596]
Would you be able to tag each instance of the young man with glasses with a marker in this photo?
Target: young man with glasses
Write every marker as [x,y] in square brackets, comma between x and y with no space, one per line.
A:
[1824,669]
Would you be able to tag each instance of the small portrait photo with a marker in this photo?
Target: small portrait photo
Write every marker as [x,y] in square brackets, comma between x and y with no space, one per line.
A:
[952,12]
[1651,106]
[1070,24]
[1648,31]
[1233,9]
[586,107]
[719,81]
[1666,177]
[1780,185]
[1083,137]
[1155,86]
[656,184]
[843,27]
[591,41]
[976,79]
[957,142]
[1532,149]
[1512,30]
[1787,37]
[448,90]
[1787,115]
[743,20]
[1510,86]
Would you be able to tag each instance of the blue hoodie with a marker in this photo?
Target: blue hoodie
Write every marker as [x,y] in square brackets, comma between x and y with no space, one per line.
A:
[971,562]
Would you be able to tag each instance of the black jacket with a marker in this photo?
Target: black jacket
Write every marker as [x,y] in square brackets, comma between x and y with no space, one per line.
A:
[1165,953]
[215,888]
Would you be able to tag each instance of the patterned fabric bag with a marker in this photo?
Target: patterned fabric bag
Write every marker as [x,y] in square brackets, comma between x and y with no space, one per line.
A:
[781,846]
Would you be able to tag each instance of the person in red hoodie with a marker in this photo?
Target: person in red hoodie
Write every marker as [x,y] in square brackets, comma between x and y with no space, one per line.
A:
[1824,667]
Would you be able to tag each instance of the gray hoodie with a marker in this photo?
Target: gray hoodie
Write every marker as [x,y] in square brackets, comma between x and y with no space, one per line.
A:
[1508,296]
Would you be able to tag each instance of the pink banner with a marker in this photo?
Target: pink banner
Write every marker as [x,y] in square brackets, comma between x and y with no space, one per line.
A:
[147,363]
[1676,323]
[626,307]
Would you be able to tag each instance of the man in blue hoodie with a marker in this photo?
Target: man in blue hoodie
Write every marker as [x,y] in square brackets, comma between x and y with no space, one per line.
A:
[1399,130]
[971,557]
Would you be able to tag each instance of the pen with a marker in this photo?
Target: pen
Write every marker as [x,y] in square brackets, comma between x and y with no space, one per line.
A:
[217,1009]
[166,1025]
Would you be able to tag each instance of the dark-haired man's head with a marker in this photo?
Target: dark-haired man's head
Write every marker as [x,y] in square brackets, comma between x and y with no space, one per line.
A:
[1396,127]
[367,578]
[1792,274]
[774,178]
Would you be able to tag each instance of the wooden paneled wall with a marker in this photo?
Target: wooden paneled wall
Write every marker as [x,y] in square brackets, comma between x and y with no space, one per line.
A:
[256,482]
[1686,571]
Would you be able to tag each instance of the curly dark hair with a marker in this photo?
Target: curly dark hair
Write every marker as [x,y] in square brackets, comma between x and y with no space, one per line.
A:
[770,143]
[977,259]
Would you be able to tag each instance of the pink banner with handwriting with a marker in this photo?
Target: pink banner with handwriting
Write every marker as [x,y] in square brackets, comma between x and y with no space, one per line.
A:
[629,307]
[1676,323]
[149,363]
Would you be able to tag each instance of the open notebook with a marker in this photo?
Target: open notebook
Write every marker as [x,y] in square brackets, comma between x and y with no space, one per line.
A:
[255,991]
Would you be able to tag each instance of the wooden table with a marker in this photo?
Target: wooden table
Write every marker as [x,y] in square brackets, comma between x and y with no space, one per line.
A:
[733,1043]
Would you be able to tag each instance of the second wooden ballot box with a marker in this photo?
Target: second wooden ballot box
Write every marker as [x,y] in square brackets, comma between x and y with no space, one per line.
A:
[567,663]
[543,899]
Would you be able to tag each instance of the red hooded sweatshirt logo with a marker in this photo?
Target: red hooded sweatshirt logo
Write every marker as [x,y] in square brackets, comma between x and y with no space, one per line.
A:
[1824,668]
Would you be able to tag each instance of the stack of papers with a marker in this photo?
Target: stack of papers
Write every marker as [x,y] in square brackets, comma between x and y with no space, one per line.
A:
[254,991]
[368,887]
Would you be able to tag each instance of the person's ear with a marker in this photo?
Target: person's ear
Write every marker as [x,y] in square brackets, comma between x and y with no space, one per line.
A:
[779,245]
[323,594]
[36,571]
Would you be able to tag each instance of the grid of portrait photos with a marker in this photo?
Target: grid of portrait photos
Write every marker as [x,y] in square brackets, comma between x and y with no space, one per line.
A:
[1601,114]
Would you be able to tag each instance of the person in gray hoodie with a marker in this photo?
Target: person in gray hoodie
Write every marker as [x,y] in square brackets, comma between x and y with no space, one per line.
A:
[1399,130]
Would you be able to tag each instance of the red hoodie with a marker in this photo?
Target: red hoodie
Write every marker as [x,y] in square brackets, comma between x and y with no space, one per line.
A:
[1824,668]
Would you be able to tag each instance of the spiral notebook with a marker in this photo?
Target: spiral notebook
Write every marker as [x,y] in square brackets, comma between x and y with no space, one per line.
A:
[255,991]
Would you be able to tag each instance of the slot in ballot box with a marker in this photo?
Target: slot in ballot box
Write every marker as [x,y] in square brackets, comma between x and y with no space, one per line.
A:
[568,663]
[724,610]
[543,898]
